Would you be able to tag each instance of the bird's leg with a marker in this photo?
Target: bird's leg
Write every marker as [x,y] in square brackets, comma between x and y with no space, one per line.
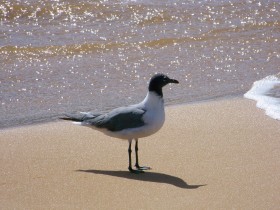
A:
[137,160]
[136,153]
[129,157]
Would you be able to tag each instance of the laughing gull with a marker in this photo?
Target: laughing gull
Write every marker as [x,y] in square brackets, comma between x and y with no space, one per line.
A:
[131,122]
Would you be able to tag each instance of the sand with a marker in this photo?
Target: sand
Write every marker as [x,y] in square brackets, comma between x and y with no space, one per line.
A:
[213,155]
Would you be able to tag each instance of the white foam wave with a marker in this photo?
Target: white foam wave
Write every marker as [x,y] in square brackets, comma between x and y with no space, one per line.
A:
[260,92]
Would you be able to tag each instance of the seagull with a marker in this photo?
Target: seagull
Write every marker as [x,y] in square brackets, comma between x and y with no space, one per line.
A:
[131,122]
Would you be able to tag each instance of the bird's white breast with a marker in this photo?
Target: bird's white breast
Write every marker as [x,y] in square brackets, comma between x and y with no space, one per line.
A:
[153,118]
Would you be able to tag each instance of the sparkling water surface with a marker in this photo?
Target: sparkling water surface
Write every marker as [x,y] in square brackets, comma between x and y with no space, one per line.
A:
[63,56]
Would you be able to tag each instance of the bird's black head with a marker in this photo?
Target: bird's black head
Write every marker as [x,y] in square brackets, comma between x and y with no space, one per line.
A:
[158,81]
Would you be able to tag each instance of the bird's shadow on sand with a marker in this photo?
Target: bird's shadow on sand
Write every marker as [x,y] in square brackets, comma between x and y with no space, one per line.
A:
[146,177]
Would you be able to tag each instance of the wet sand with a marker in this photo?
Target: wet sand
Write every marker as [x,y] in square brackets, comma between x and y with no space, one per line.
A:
[212,155]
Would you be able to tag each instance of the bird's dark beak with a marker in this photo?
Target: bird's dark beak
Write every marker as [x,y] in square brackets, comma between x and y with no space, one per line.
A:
[173,81]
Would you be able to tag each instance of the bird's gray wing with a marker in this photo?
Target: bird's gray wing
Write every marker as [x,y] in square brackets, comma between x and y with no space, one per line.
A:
[119,119]
[80,117]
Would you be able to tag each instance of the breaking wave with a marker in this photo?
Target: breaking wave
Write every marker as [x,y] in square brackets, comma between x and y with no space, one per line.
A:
[267,94]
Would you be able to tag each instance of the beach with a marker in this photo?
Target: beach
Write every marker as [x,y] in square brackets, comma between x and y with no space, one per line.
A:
[216,150]
[221,154]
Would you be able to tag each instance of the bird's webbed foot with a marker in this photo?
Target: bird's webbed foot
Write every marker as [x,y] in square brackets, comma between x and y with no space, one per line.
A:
[138,171]
[142,168]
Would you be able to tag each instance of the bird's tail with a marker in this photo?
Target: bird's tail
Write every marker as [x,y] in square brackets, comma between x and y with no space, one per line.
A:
[73,119]
[78,118]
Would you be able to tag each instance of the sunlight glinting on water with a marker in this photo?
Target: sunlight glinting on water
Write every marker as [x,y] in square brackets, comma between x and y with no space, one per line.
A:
[66,55]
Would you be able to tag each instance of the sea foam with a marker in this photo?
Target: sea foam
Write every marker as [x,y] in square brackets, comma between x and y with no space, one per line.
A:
[266,92]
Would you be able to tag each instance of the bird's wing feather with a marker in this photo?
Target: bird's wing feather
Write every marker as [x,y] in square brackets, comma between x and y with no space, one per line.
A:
[80,117]
[119,119]
[88,115]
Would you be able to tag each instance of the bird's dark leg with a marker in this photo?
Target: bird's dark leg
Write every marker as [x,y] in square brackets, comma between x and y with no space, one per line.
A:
[136,153]
[137,160]
[129,157]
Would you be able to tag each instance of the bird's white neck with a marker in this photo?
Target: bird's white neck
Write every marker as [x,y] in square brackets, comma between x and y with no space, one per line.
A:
[153,100]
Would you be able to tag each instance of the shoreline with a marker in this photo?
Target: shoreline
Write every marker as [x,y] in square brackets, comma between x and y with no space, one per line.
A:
[218,154]
[55,118]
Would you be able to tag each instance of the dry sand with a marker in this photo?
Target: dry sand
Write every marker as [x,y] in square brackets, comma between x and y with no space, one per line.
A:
[213,155]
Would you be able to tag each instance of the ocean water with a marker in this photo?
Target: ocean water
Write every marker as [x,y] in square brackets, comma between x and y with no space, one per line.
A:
[267,94]
[60,56]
